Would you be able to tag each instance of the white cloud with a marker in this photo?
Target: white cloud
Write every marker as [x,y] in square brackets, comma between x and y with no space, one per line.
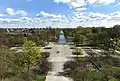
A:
[48,15]
[12,12]
[80,9]
[115,14]
[52,17]
[118,4]
[101,2]
[9,11]
[97,16]
[2,15]
[44,19]
[77,3]
[81,3]
[95,19]
[21,12]
[49,19]
[72,3]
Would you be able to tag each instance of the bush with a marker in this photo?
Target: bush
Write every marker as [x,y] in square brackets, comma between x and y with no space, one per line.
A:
[69,66]
[45,54]
[43,66]
[78,51]
[75,53]
[24,76]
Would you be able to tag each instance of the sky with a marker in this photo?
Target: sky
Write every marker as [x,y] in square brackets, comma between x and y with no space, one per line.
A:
[59,13]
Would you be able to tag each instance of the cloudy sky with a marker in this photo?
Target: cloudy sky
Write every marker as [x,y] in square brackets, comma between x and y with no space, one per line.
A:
[59,13]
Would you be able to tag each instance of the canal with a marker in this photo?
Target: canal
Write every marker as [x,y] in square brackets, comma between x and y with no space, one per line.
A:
[62,39]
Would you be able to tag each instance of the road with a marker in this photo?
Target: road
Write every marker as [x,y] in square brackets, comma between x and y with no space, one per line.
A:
[58,60]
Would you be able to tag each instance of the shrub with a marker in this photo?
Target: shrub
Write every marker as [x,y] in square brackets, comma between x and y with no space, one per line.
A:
[45,54]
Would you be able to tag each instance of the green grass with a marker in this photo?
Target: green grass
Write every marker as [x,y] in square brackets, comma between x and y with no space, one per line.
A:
[116,68]
[117,53]
[81,59]
[40,78]
[113,79]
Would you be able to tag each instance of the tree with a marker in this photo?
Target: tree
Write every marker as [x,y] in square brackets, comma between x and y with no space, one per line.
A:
[112,45]
[29,55]
[42,65]
[92,38]
[103,37]
[19,61]
[116,31]
[79,74]
[5,62]
[118,45]
[82,38]
[79,39]
[107,73]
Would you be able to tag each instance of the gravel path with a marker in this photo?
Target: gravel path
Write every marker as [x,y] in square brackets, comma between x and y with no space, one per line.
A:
[58,60]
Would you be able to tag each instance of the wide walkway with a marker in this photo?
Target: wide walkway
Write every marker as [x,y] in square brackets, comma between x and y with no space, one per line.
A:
[58,60]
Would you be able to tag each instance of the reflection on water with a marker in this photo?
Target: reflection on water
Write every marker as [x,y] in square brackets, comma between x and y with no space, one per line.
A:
[61,38]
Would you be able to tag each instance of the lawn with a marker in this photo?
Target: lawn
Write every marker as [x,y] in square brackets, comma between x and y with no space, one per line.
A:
[40,78]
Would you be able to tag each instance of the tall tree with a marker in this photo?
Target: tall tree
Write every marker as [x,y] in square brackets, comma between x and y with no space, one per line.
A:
[29,54]
[82,39]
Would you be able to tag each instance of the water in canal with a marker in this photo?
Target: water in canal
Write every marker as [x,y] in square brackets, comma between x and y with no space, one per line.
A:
[62,38]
